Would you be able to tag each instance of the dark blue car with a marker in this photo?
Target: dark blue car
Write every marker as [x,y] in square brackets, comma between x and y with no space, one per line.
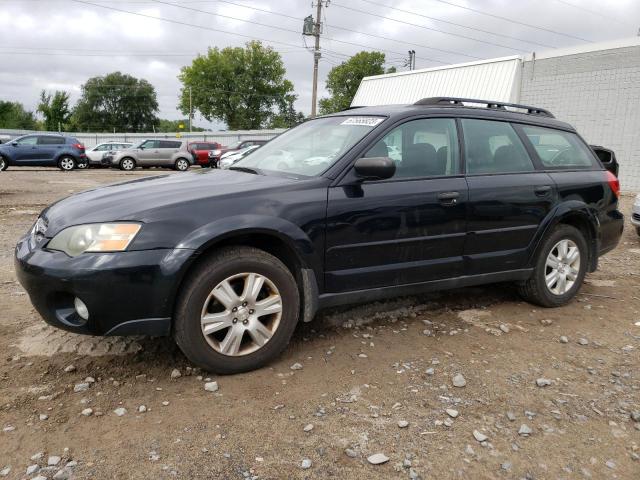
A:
[43,150]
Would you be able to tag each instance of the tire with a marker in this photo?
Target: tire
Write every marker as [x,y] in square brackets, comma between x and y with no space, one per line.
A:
[83,166]
[182,165]
[197,298]
[536,289]
[637,228]
[127,164]
[3,164]
[67,163]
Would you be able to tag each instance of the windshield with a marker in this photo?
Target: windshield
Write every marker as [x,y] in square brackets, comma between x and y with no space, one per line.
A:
[312,147]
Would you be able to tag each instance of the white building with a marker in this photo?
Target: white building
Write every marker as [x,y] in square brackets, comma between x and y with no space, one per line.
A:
[594,87]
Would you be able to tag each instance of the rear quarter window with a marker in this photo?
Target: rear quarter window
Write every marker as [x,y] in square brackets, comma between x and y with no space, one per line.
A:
[559,149]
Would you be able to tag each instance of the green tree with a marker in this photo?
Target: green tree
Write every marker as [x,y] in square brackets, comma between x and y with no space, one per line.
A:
[55,109]
[118,101]
[343,80]
[174,126]
[243,87]
[13,115]
[287,115]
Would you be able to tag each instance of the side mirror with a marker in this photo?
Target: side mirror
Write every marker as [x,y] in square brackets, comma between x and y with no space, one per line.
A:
[607,158]
[15,144]
[375,168]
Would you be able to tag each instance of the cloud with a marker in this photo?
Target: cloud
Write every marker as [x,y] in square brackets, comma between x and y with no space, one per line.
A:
[76,41]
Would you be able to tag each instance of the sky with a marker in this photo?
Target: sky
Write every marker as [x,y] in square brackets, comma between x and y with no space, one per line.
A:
[59,44]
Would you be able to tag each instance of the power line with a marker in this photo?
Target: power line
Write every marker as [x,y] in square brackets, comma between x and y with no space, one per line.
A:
[297,32]
[599,14]
[512,21]
[280,14]
[201,27]
[459,25]
[426,28]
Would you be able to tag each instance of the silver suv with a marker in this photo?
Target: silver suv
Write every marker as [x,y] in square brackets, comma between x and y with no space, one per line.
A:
[152,153]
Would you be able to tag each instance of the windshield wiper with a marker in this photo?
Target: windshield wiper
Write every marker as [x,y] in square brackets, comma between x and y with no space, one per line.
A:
[245,169]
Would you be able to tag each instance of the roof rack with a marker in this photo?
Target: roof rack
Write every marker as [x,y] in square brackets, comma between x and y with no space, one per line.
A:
[460,102]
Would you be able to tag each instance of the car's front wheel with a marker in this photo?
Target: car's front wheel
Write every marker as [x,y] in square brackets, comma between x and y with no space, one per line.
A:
[182,164]
[3,164]
[560,268]
[237,311]
[127,164]
[66,163]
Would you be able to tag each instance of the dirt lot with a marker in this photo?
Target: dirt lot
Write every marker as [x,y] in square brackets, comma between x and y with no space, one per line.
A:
[374,379]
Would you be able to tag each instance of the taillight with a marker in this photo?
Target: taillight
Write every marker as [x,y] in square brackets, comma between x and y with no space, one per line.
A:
[79,146]
[614,183]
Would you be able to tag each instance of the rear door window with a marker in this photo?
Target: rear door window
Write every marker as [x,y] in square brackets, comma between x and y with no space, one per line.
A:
[43,140]
[559,149]
[494,147]
[169,144]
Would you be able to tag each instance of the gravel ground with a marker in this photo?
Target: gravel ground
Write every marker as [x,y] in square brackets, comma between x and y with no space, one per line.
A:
[471,383]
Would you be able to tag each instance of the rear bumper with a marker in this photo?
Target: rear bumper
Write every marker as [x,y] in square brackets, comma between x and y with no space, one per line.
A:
[610,231]
[126,293]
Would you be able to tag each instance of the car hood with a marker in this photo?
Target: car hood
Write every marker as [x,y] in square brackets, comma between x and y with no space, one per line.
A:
[154,199]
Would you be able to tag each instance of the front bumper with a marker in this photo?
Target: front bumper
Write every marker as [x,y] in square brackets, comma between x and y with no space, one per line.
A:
[126,293]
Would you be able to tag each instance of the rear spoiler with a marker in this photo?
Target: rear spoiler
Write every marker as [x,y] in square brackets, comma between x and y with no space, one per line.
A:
[607,158]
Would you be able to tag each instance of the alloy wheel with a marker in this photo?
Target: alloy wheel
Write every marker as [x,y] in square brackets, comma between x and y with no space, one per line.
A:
[127,164]
[2,163]
[182,165]
[562,267]
[241,314]
[67,163]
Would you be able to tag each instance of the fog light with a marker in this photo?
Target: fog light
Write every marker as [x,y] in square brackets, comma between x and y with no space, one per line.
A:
[81,308]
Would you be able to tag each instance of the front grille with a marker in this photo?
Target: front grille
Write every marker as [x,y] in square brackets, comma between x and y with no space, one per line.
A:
[636,216]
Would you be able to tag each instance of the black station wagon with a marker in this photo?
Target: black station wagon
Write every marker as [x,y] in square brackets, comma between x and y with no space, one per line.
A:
[368,203]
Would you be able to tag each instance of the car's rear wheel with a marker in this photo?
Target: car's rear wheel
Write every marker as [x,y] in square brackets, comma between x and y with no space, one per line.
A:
[83,165]
[236,311]
[182,164]
[67,163]
[127,164]
[3,164]
[560,268]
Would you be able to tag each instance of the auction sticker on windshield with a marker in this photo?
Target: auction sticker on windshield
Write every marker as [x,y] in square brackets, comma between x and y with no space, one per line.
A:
[364,121]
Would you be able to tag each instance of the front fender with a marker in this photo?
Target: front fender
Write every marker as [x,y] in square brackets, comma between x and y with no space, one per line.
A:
[562,212]
[224,228]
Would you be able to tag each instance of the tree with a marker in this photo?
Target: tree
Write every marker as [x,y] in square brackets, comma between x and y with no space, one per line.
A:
[343,80]
[118,101]
[242,87]
[174,126]
[55,109]
[13,115]
[287,115]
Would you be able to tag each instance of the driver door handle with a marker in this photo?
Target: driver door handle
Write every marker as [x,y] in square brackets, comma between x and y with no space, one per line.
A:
[542,190]
[448,198]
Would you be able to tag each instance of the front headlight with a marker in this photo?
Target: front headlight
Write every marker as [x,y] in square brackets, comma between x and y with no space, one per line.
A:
[95,237]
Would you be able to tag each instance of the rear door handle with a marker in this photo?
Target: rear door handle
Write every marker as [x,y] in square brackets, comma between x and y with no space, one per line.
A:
[448,198]
[542,190]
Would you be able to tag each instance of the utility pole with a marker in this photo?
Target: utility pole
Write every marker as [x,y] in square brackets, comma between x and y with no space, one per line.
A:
[317,30]
[190,110]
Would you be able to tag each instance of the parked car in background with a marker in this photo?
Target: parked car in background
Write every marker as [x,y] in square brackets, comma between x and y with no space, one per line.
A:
[215,155]
[229,158]
[4,138]
[43,150]
[635,214]
[201,152]
[95,154]
[152,153]
[228,262]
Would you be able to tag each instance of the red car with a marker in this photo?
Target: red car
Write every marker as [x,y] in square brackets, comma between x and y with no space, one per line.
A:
[201,151]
